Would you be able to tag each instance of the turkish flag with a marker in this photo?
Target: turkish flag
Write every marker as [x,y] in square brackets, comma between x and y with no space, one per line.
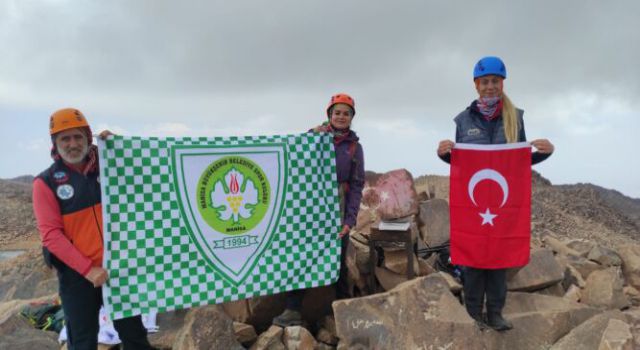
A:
[490,205]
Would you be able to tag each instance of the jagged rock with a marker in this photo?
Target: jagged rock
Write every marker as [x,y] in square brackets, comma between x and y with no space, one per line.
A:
[454,286]
[574,293]
[617,336]
[594,332]
[327,331]
[171,324]
[17,333]
[434,221]
[633,294]
[604,290]
[26,277]
[633,318]
[396,261]
[424,268]
[245,333]
[604,256]
[238,310]
[630,256]
[396,195]
[389,279]
[583,247]
[367,217]
[207,327]
[584,266]
[362,256]
[260,311]
[354,279]
[297,337]
[572,277]
[542,271]
[424,313]
[271,339]
[558,246]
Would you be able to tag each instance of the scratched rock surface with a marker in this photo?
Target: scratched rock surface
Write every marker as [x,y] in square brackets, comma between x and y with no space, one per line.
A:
[591,335]
[392,195]
[424,314]
[434,221]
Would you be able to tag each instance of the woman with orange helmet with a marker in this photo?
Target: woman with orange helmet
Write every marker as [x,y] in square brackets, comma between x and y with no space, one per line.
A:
[350,177]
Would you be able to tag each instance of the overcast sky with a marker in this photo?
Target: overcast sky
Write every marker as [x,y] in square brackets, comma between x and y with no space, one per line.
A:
[193,68]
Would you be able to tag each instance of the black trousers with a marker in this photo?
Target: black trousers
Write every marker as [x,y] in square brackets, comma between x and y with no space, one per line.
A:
[81,304]
[478,283]
[294,298]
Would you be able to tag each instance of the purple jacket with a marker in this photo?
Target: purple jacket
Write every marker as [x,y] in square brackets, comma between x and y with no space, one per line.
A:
[350,170]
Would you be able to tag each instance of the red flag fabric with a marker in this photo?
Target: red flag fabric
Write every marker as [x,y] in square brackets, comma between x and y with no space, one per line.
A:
[490,205]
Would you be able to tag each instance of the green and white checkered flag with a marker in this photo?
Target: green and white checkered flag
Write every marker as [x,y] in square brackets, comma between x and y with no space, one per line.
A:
[193,221]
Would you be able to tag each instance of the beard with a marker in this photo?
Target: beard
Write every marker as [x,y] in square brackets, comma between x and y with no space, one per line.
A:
[72,156]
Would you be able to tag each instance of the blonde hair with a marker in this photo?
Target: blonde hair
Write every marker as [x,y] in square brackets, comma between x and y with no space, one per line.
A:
[510,119]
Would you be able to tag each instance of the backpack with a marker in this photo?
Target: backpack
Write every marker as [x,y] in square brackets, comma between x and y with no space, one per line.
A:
[45,316]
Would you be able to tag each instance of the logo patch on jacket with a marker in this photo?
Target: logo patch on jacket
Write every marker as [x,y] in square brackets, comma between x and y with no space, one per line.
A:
[60,177]
[473,132]
[65,191]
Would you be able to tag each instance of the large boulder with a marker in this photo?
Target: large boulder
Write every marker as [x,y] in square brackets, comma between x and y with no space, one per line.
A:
[389,279]
[170,325]
[207,327]
[604,289]
[423,312]
[542,271]
[606,328]
[392,195]
[17,333]
[630,256]
[245,333]
[434,221]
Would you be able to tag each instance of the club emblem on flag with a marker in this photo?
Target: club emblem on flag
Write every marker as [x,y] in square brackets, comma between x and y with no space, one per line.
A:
[231,199]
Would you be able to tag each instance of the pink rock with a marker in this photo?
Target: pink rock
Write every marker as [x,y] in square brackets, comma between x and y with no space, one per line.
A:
[396,194]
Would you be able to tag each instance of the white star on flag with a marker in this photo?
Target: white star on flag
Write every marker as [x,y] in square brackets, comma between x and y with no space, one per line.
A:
[487,217]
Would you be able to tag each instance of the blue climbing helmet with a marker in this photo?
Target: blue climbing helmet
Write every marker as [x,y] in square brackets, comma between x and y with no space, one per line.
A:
[490,65]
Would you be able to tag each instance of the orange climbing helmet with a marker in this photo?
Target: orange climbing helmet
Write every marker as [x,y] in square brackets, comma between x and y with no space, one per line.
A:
[341,98]
[66,118]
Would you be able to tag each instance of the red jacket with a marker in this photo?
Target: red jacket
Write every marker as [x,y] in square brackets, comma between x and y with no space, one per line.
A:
[68,211]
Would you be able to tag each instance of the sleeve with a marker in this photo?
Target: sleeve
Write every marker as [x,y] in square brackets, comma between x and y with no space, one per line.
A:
[51,227]
[356,184]
[447,157]
[536,157]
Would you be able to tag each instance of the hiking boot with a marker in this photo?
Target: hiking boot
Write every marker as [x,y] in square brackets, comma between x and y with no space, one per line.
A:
[497,322]
[482,325]
[288,318]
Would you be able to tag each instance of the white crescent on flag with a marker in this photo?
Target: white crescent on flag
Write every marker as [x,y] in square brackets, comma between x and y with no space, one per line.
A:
[489,174]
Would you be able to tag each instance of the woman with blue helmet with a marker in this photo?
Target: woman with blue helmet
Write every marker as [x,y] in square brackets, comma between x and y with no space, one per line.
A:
[490,119]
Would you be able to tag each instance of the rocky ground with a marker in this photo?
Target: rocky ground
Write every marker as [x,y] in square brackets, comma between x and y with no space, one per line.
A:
[580,290]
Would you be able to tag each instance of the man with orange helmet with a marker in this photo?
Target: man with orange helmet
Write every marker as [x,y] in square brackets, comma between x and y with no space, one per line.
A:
[67,206]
